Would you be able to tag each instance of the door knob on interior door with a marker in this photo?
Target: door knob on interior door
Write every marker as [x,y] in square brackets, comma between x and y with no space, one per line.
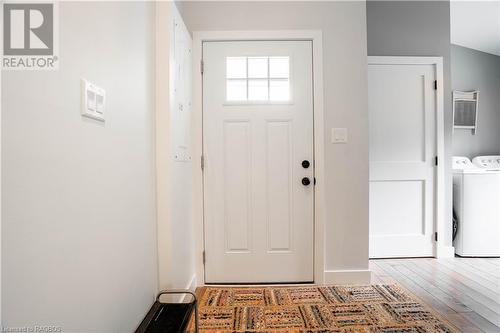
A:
[306,181]
[305,164]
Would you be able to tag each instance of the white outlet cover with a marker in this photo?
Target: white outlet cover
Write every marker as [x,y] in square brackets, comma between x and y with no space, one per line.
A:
[93,100]
[339,135]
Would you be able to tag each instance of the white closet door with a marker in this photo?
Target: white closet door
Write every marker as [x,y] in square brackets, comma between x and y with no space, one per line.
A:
[402,110]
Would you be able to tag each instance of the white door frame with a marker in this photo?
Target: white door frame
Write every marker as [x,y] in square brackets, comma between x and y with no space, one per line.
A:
[319,144]
[440,250]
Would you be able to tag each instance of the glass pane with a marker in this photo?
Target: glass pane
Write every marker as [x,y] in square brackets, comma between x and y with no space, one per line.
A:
[257,90]
[279,90]
[257,67]
[279,67]
[236,90]
[236,67]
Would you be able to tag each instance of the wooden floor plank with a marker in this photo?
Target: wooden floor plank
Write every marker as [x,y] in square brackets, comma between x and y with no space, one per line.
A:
[416,289]
[482,286]
[451,288]
[480,265]
[442,308]
[468,287]
[463,290]
[381,274]
[485,325]
[471,326]
[375,278]
[434,290]
[472,270]
[494,263]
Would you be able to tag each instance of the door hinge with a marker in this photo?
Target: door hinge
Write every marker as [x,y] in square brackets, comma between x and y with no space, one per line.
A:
[204,257]
[202,66]
[435,84]
[436,161]
[202,162]
[436,236]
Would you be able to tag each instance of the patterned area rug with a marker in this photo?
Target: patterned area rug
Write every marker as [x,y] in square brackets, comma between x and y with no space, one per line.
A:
[375,308]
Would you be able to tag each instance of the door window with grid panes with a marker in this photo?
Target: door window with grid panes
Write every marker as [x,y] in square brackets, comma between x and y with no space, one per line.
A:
[258,79]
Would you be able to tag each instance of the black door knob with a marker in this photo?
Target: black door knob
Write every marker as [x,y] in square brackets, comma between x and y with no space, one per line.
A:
[305,164]
[306,181]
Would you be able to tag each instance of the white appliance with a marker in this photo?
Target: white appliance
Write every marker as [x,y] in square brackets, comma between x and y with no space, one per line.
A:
[487,162]
[476,200]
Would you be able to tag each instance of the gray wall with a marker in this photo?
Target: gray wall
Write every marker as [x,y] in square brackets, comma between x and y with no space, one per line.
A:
[78,219]
[475,70]
[344,51]
[416,28]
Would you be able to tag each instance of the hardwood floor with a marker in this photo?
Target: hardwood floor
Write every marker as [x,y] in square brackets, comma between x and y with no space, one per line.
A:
[465,291]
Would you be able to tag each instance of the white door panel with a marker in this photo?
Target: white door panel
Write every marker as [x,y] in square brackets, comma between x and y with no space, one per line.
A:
[405,219]
[402,110]
[278,185]
[237,184]
[258,214]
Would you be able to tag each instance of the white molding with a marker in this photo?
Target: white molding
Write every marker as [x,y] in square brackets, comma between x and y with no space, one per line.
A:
[319,143]
[362,276]
[440,185]
[1,187]
[440,223]
[197,151]
[389,60]
[253,35]
[319,160]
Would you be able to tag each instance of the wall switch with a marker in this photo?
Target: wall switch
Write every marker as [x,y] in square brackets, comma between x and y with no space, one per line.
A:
[99,104]
[339,135]
[93,100]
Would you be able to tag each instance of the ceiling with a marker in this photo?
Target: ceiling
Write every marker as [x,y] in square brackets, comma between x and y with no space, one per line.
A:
[476,25]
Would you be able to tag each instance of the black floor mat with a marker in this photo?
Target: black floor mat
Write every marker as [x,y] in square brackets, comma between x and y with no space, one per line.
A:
[168,318]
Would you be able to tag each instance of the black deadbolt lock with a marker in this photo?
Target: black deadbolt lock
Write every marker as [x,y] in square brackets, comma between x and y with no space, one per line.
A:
[306,181]
[305,164]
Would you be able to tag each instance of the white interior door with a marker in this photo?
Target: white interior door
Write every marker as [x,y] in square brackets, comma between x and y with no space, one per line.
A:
[402,111]
[258,130]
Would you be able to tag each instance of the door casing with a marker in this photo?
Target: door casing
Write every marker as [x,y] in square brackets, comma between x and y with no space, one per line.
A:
[315,36]
[441,250]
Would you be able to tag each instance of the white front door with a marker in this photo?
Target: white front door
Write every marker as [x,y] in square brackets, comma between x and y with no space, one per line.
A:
[402,111]
[258,161]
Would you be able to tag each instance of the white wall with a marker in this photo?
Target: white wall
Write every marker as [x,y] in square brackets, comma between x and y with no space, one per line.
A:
[174,160]
[78,233]
[345,89]
[476,24]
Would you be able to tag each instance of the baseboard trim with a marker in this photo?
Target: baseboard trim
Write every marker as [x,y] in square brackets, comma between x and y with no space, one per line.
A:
[362,276]
[445,252]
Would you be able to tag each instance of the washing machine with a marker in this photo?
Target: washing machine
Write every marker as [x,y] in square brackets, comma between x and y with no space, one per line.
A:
[476,201]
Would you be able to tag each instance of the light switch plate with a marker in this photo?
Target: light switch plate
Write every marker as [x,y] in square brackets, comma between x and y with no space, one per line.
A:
[93,100]
[339,135]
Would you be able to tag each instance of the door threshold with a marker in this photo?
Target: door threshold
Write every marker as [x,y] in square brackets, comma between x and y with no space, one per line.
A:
[259,284]
[415,257]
